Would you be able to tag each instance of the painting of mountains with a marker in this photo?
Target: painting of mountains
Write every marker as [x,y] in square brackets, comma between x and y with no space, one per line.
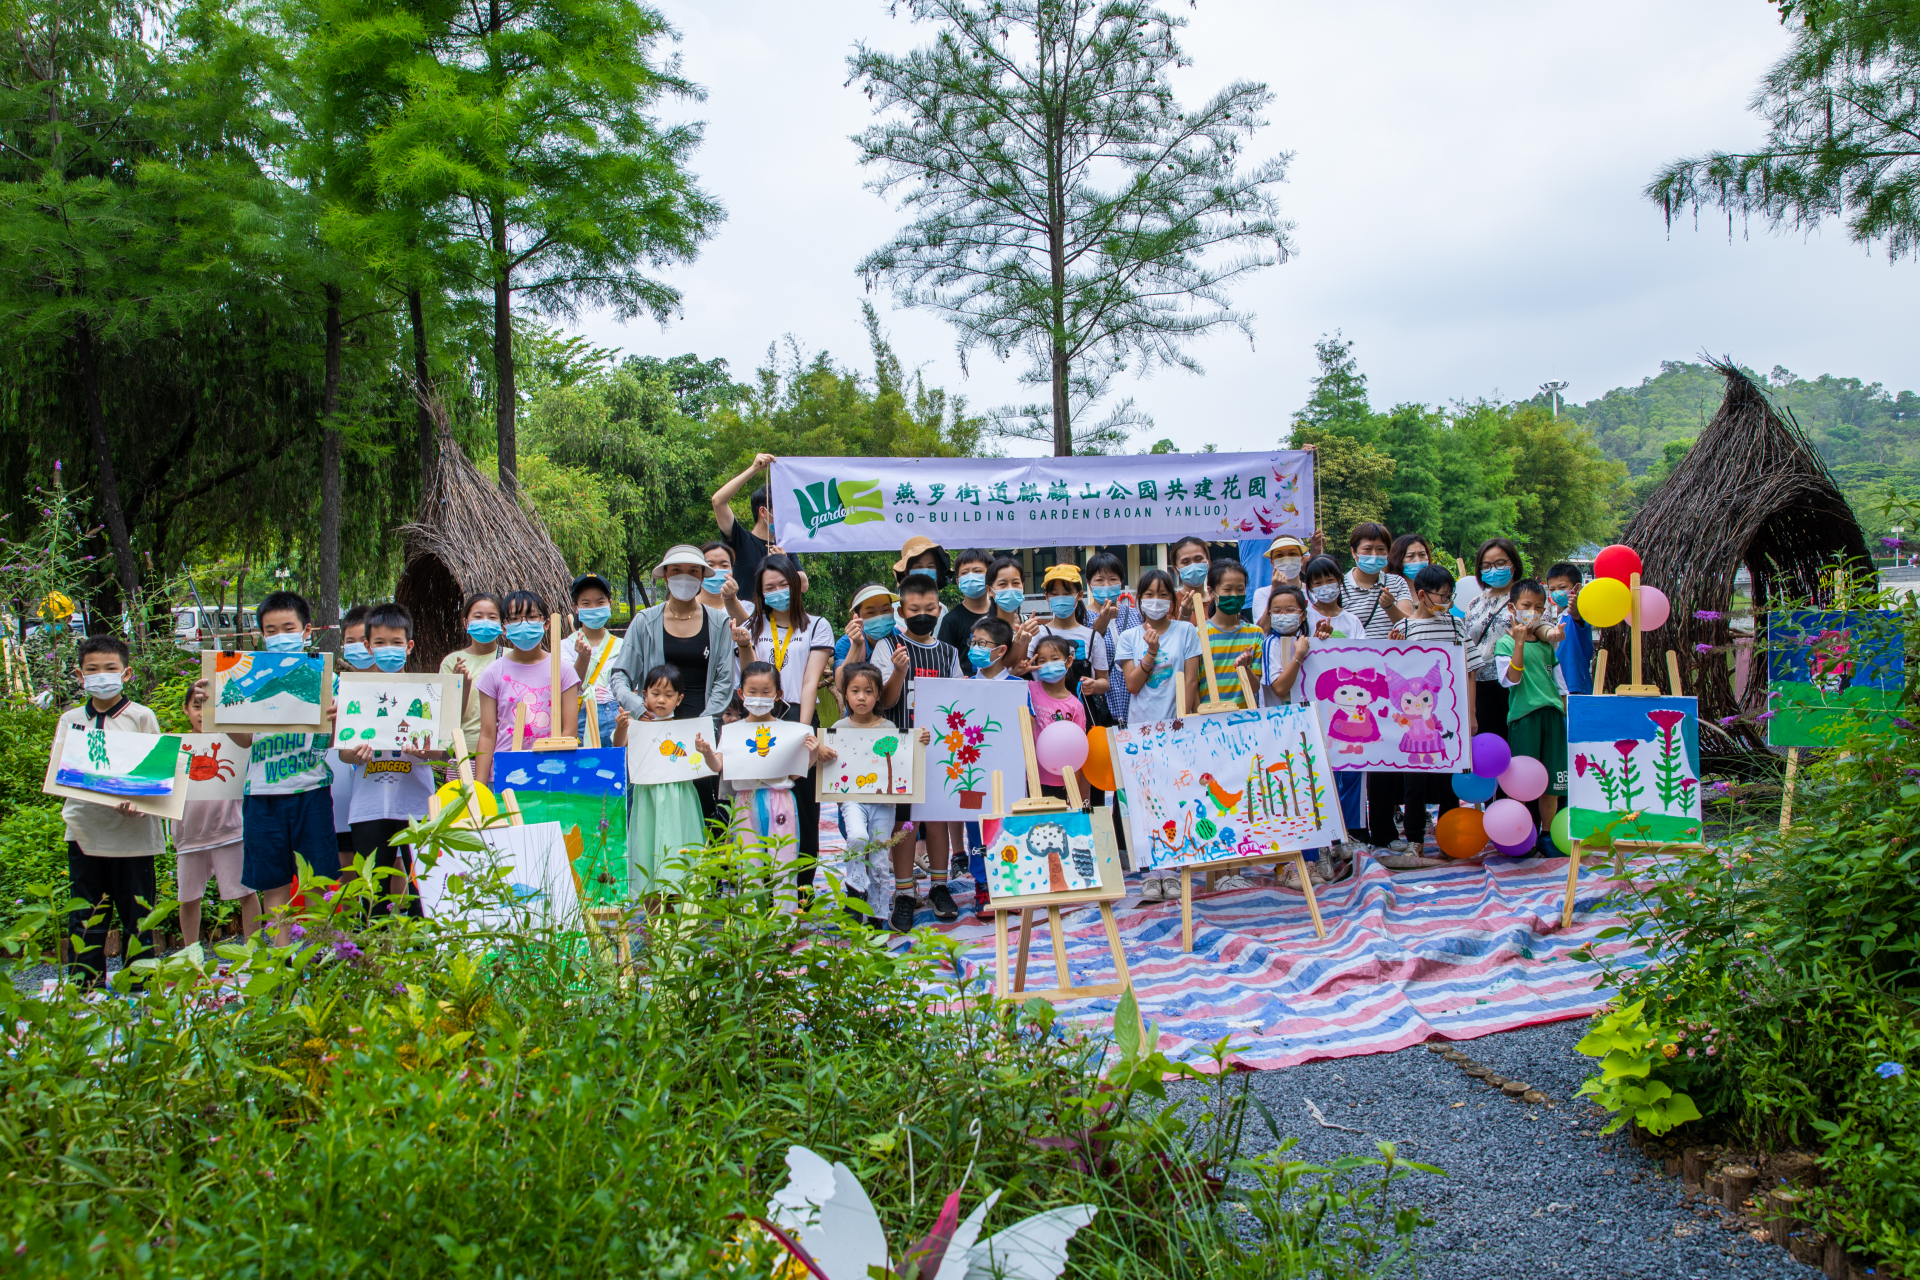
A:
[277,690]
[119,764]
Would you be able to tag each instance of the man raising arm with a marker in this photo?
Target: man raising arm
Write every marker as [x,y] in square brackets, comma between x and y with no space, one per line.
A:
[750,545]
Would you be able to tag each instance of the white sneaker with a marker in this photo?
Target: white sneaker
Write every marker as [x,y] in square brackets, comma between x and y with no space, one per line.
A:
[1152,891]
[1400,846]
[1233,882]
[1290,876]
[1320,871]
[1401,861]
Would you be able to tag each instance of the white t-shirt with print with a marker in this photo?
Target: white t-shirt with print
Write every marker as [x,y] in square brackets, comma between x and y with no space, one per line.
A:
[1081,637]
[1155,701]
[393,785]
[796,646]
[286,764]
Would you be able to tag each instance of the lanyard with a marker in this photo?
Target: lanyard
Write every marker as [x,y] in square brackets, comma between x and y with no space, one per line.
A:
[601,662]
[780,644]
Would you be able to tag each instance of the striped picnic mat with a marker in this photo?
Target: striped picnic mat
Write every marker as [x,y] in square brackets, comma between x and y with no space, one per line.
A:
[1457,951]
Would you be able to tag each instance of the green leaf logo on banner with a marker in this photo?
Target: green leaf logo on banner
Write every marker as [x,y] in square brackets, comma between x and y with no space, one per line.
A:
[826,502]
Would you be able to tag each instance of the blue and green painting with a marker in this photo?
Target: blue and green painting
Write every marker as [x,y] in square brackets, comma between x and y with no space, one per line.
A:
[119,764]
[1634,756]
[1830,674]
[586,788]
[267,688]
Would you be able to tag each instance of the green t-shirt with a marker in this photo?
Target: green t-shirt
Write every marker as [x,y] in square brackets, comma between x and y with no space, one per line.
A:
[1537,687]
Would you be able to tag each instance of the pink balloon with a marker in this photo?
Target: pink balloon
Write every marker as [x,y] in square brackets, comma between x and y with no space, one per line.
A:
[1507,822]
[1524,779]
[1654,608]
[1061,745]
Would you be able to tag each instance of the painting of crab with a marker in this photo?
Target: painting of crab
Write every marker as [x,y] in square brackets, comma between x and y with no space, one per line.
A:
[209,766]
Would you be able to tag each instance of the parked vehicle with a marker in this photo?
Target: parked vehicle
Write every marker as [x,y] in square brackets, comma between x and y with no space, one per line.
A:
[199,627]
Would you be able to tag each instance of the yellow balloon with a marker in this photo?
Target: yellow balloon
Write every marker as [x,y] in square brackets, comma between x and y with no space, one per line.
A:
[1605,602]
[450,795]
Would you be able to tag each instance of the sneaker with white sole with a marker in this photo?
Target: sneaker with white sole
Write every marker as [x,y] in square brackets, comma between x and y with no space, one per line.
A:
[1232,882]
[1401,861]
[1400,846]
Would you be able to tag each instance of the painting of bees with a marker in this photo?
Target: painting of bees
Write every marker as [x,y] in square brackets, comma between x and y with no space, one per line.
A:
[661,751]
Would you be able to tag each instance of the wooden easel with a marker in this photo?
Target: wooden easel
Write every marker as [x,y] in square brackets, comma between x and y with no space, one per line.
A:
[1213,702]
[553,741]
[1275,859]
[1035,802]
[1635,689]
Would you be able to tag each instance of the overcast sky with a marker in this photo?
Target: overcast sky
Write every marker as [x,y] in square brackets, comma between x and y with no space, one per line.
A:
[1465,188]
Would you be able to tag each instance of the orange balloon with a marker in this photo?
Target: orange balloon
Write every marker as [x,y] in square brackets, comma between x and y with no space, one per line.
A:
[1099,766]
[1460,833]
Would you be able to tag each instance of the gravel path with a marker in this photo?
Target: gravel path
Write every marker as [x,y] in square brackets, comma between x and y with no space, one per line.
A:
[1531,1190]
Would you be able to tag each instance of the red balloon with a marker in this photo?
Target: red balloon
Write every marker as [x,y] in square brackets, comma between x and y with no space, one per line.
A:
[1617,561]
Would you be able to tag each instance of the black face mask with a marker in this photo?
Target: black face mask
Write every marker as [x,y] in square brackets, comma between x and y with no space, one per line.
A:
[921,624]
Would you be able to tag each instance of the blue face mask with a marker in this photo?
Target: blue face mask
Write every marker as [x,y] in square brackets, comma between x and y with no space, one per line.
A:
[1009,598]
[357,655]
[980,656]
[485,631]
[922,572]
[877,627]
[525,635]
[1558,597]
[779,599]
[1052,672]
[1062,606]
[284,642]
[390,657]
[1370,564]
[1194,574]
[596,617]
[1105,595]
[1496,577]
[715,583]
[973,585]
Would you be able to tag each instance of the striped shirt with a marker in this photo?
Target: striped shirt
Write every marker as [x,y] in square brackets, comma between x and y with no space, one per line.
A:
[1225,650]
[1440,629]
[1364,602]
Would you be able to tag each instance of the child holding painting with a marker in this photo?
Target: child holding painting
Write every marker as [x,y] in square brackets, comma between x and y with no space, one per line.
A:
[524,677]
[1049,698]
[925,658]
[391,789]
[764,814]
[111,848]
[206,845]
[481,618]
[663,819]
[1530,672]
[870,825]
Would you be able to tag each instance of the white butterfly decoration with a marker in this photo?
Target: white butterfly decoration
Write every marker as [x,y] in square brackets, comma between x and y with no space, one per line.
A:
[824,1219]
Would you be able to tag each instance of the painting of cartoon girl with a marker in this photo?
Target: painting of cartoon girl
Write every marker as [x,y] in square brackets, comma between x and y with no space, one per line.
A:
[1352,694]
[1412,699]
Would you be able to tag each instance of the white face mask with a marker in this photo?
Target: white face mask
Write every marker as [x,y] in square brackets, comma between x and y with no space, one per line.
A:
[1286,623]
[757,706]
[104,684]
[1287,567]
[1326,592]
[683,587]
[1155,608]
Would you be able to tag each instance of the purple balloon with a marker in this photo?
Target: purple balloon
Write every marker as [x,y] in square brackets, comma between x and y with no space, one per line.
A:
[1491,755]
[1521,848]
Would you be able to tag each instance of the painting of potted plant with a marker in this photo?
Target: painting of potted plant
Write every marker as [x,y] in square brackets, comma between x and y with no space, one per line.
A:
[963,741]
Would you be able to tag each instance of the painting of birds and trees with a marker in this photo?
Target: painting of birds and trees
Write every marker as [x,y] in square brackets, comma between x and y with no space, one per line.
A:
[1226,786]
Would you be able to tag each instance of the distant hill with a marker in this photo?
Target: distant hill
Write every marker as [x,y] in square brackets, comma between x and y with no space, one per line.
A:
[1866,434]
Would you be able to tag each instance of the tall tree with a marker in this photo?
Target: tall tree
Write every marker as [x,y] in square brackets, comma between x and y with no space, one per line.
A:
[1843,140]
[531,129]
[1067,207]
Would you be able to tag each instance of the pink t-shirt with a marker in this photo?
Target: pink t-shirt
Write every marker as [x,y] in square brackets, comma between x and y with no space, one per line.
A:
[1047,709]
[207,824]
[511,683]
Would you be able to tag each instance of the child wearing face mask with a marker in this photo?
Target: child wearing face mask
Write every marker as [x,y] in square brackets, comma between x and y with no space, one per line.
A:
[956,624]
[480,619]
[1066,618]
[870,824]
[1575,654]
[664,819]
[1327,618]
[524,677]
[870,637]
[1114,615]
[594,652]
[1231,642]
[391,789]
[765,819]
[924,658]
[1049,698]
[1157,655]
[1286,646]
[1529,671]
[111,848]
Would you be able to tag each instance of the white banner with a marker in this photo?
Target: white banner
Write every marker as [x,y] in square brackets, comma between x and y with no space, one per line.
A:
[876,504]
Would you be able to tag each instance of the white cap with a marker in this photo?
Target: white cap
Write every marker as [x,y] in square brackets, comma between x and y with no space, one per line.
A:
[682,554]
[873,591]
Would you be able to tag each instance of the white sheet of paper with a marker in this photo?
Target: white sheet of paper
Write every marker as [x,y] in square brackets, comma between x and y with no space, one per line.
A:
[871,762]
[1391,705]
[663,750]
[536,855]
[393,712]
[216,768]
[755,752]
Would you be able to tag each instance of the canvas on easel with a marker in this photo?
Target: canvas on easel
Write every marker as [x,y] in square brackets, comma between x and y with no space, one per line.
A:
[873,766]
[1635,765]
[261,692]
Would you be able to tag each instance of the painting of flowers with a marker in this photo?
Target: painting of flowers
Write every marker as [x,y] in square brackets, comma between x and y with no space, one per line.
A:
[1635,756]
[976,728]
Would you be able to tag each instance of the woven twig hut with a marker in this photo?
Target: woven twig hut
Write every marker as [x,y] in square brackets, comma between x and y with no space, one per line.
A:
[470,537]
[1751,491]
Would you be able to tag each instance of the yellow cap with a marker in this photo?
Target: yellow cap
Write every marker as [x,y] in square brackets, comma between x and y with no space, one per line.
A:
[1062,573]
